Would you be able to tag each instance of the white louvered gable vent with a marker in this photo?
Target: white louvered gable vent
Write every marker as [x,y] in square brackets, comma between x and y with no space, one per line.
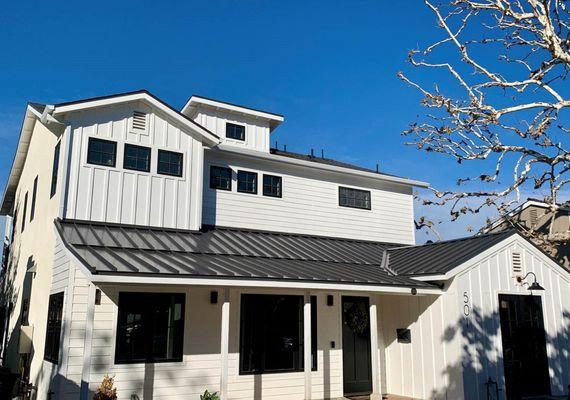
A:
[139,123]
[517,263]
[533,217]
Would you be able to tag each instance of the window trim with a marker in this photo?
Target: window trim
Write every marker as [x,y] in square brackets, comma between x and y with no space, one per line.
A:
[50,358]
[55,169]
[137,147]
[369,208]
[95,139]
[34,197]
[231,178]
[168,173]
[256,181]
[272,195]
[228,124]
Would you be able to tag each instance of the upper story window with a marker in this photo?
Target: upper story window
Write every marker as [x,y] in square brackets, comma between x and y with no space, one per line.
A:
[169,163]
[272,186]
[102,152]
[234,131]
[220,178]
[150,327]
[34,194]
[53,328]
[137,158]
[54,170]
[247,182]
[24,212]
[354,198]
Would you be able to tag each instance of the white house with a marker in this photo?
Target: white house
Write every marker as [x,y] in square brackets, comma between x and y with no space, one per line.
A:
[177,252]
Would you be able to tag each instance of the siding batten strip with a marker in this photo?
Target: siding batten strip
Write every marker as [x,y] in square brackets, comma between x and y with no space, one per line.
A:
[86,370]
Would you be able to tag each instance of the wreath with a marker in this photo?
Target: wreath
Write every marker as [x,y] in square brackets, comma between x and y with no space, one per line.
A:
[357,318]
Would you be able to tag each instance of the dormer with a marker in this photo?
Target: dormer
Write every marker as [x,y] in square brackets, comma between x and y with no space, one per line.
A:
[236,125]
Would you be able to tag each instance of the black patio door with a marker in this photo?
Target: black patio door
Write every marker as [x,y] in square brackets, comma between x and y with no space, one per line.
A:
[357,368]
[524,346]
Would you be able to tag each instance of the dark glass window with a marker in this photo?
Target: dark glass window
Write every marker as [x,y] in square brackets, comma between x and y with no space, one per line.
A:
[348,197]
[24,212]
[53,329]
[272,333]
[34,194]
[150,327]
[234,131]
[169,163]
[137,158]
[272,185]
[220,178]
[102,152]
[247,182]
[54,170]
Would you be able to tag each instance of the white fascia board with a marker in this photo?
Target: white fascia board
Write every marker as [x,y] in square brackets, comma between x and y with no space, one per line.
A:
[177,280]
[210,138]
[316,165]
[197,100]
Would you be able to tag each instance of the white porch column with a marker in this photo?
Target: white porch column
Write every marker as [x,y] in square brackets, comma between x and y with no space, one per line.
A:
[308,359]
[376,390]
[225,344]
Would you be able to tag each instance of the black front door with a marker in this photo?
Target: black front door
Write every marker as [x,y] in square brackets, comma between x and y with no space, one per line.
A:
[357,369]
[524,346]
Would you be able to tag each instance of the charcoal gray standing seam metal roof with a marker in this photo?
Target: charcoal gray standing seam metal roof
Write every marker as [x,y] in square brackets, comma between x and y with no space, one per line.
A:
[228,253]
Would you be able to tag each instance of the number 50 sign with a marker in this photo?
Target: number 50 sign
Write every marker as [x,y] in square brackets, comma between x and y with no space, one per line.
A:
[466,306]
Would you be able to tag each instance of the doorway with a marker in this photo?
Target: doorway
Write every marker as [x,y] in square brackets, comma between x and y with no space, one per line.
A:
[524,346]
[356,354]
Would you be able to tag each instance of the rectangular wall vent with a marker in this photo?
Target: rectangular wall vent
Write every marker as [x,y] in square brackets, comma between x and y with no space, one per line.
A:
[517,263]
[533,217]
[139,121]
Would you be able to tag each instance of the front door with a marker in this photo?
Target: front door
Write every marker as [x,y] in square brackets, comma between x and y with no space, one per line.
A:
[357,367]
[524,346]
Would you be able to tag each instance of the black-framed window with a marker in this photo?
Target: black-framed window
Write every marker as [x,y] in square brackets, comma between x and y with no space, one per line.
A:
[247,182]
[34,194]
[136,158]
[150,327]
[271,333]
[169,163]
[55,169]
[234,131]
[102,152]
[24,212]
[272,186]
[354,198]
[53,328]
[220,178]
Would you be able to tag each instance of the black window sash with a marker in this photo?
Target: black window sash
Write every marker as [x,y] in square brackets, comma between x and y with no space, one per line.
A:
[272,185]
[53,328]
[170,163]
[55,169]
[247,182]
[220,178]
[34,194]
[141,158]
[235,131]
[98,150]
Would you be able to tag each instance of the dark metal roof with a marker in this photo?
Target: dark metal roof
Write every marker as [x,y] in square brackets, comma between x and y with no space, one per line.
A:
[440,257]
[228,253]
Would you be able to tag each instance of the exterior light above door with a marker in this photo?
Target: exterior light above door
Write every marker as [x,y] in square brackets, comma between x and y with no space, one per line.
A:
[534,285]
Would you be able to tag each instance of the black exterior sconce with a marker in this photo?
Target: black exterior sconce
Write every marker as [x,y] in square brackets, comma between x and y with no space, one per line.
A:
[534,285]
[330,300]
[213,297]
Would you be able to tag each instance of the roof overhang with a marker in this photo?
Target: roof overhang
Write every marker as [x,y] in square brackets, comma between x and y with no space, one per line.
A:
[198,101]
[325,167]
[142,95]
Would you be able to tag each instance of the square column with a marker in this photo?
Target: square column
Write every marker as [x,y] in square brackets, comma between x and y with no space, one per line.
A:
[225,344]
[376,390]
[307,357]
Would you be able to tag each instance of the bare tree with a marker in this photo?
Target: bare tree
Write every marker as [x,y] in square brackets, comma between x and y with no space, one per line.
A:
[501,100]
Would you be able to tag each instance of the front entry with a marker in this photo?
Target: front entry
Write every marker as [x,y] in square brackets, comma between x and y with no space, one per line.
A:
[524,346]
[357,367]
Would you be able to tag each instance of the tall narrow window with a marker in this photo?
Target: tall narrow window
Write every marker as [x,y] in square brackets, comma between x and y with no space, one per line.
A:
[247,182]
[150,327]
[220,178]
[137,158]
[24,212]
[53,329]
[234,131]
[169,163]
[102,152]
[354,198]
[34,194]
[54,170]
[272,186]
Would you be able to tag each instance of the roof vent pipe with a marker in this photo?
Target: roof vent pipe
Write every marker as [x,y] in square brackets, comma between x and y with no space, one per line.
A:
[322,153]
[312,153]
[377,168]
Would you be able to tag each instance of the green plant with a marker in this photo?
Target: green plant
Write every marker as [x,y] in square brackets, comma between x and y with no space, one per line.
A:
[106,391]
[209,396]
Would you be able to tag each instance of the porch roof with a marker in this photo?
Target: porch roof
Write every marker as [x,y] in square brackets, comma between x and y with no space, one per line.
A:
[111,249]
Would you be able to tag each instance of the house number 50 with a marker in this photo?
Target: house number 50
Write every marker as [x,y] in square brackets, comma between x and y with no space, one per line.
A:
[466,308]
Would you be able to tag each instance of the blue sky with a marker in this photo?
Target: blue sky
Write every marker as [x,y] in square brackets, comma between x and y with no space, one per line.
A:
[329,67]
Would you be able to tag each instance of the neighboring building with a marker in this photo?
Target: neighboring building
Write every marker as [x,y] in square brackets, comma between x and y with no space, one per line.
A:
[534,218]
[178,252]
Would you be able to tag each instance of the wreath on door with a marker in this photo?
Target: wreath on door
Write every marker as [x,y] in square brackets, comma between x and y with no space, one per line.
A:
[357,318]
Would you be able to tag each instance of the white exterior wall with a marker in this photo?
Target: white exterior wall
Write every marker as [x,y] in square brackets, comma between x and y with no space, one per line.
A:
[125,196]
[309,204]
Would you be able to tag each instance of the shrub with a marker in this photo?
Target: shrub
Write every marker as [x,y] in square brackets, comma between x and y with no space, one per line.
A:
[106,391]
[209,396]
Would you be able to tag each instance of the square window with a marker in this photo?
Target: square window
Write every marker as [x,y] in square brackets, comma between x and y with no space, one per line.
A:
[354,198]
[234,131]
[53,328]
[247,182]
[101,152]
[272,186]
[220,178]
[136,158]
[169,163]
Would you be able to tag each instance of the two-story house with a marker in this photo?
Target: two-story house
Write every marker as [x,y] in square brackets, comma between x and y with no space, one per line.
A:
[178,252]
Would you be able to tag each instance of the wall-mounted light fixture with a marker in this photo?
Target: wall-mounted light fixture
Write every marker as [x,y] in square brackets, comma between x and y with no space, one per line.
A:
[97,297]
[213,297]
[330,300]
[534,285]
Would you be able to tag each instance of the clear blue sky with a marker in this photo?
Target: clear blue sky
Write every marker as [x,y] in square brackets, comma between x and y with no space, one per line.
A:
[329,67]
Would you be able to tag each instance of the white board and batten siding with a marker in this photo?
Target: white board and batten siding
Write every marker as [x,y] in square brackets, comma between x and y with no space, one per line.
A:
[118,195]
[309,203]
